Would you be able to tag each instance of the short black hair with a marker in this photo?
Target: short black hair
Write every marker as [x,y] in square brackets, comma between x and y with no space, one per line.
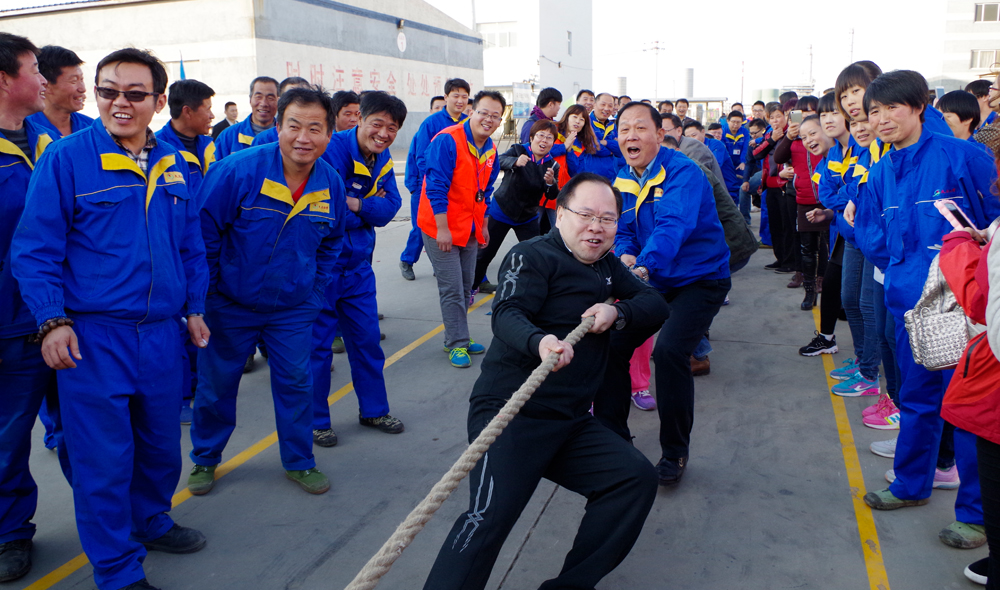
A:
[52,59]
[807,103]
[131,55]
[979,88]
[625,96]
[735,113]
[674,120]
[229,104]
[759,102]
[292,81]
[657,117]
[684,100]
[567,192]
[827,104]
[810,118]
[758,122]
[671,142]
[435,99]
[714,126]
[306,97]
[963,104]
[12,47]
[383,102]
[342,98]
[547,96]
[904,87]
[665,102]
[787,96]
[264,80]
[736,103]
[454,83]
[771,107]
[859,73]
[490,94]
[584,91]
[187,93]
[696,124]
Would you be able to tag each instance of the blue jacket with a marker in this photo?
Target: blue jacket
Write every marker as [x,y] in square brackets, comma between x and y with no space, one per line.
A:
[77,122]
[934,121]
[989,120]
[416,163]
[197,164]
[15,174]
[266,136]
[441,167]
[729,175]
[737,146]
[264,250]
[345,156]
[608,160]
[102,238]
[903,187]
[837,185]
[670,223]
[235,138]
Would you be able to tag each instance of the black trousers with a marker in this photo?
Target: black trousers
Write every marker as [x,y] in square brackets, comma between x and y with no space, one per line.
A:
[580,455]
[782,215]
[498,231]
[692,309]
[812,248]
[988,459]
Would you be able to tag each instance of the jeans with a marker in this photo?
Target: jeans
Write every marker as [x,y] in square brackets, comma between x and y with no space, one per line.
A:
[885,325]
[873,355]
[746,197]
[850,297]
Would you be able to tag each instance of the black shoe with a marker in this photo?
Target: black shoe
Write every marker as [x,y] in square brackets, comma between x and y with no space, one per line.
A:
[487,287]
[178,539]
[819,345]
[140,585]
[247,368]
[773,266]
[381,316]
[784,270]
[15,559]
[671,471]
[386,424]
[978,571]
[325,438]
[810,299]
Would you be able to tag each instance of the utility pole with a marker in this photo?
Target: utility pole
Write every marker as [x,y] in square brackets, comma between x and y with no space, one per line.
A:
[852,46]
[811,81]
[657,47]
[743,74]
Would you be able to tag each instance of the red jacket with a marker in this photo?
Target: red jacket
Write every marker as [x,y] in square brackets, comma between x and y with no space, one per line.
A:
[972,401]
[795,153]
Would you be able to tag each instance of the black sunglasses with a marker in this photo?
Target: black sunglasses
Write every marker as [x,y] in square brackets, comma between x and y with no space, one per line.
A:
[130,95]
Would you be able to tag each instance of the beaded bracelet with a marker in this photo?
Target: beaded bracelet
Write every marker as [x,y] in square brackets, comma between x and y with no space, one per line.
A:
[52,324]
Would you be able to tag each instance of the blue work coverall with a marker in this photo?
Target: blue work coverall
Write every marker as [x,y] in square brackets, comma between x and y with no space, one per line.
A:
[77,121]
[270,260]
[235,138]
[608,159]
[898,199]
[118,250]
[350,298]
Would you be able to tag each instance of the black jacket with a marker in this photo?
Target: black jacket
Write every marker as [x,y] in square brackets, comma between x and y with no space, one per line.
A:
[542,289]
[522,187]
[220,127]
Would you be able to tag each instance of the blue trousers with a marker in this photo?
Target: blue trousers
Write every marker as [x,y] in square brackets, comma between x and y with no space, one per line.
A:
[45,417]
[28,384]
[235,331]
[119,410]
[350,305]
[414,241]
[860,318]
[920,427]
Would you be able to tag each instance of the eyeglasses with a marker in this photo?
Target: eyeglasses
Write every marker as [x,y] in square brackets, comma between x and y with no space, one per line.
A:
[589,218]
[130,95]
[671,129]
[488,116]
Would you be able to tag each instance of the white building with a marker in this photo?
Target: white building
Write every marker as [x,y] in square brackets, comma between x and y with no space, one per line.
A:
[545,43]
[971,43]
[405,47]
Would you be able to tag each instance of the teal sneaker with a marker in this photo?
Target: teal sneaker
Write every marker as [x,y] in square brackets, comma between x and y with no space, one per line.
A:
[202,479]
[856,386]
[885,500]
[474,348]
[849,370]
[310,480]
[459,357]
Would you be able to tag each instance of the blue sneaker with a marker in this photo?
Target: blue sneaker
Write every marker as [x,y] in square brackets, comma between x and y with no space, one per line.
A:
[459,358]
[856,386]
[850,369]
[187,414]
[473,348]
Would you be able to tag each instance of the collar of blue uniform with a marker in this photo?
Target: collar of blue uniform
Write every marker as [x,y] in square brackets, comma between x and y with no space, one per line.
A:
[37,137]
[383,162]
[480,154]
[205,145]
[316,193]
[653,176]
[607,127]
[158,167]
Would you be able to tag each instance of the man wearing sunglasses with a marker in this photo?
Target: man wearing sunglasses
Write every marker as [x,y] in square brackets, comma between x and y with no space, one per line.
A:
[108,253]
[456,191]
[263,104]
[670,236]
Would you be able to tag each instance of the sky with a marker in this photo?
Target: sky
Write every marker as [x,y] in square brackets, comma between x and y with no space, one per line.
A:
[769,48]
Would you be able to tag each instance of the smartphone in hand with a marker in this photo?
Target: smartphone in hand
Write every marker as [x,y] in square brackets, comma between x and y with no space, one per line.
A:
[795,116]
[953,213]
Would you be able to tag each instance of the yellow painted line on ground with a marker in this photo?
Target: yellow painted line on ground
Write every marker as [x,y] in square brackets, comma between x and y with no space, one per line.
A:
[65,570]
[874,564]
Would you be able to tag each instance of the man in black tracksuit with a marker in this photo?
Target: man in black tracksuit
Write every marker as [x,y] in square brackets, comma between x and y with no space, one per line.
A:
[546,285]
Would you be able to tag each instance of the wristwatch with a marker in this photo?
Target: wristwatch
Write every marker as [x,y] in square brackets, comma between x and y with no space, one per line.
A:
[620,322]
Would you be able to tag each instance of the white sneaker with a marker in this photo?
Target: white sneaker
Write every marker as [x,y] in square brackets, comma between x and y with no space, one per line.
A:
[884,448]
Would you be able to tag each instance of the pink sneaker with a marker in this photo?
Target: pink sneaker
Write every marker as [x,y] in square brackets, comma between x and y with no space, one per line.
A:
[882,399]
[946,479]
[885,417]
[643,400]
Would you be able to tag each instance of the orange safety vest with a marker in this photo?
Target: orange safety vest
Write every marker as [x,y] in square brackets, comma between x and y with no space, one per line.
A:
[463,210]
[563,171]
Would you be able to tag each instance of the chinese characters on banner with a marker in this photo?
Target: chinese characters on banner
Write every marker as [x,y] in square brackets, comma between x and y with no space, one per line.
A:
[396,82]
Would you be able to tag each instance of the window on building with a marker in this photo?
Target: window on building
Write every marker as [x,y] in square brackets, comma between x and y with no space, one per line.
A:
[988,12]
[498,34]
[985,58]
[569,42]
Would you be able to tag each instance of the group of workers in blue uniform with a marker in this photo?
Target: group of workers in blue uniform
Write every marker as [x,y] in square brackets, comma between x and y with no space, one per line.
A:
[115,237]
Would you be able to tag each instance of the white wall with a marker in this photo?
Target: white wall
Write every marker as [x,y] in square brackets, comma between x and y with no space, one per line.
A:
[556,17]
[962,36]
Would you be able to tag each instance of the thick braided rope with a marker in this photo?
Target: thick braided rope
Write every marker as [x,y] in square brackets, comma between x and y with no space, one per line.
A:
[380,563]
